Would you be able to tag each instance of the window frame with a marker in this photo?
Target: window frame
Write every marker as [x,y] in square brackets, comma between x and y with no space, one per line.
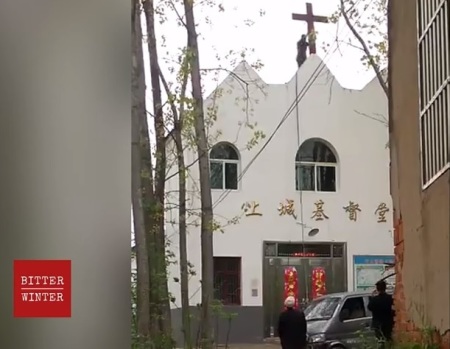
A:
[237,273]
[434,89]
[365,317]
[223,163]
[316,164]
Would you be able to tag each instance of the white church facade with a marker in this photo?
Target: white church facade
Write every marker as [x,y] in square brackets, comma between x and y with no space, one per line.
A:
[313,194]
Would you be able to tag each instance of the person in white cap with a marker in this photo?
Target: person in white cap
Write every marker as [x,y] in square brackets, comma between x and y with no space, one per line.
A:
[292,326]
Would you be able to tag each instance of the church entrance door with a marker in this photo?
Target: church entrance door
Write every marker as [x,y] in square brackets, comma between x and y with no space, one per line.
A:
[305,257]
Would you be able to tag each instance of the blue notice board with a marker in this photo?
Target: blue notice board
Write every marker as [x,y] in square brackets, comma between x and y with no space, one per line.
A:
[368,269]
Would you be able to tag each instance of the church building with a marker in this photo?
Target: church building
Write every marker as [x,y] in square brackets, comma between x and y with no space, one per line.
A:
[300,178]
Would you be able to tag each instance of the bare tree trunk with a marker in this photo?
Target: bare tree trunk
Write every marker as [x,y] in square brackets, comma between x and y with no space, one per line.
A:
[184,277]
[139,108]
[205,181]
[147,194]
[177,137]
[160,173]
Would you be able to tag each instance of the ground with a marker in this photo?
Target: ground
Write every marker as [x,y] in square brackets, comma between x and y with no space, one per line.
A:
[269,343]
[253,346]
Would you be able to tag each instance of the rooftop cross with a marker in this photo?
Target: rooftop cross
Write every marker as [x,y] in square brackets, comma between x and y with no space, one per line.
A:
[310,19]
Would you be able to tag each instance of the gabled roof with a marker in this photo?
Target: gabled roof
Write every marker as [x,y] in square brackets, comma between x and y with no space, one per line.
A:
[314,61]
[243,73]
[247,73]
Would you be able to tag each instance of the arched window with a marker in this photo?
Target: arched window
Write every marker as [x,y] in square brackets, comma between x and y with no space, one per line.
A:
[315,167]
[224,163]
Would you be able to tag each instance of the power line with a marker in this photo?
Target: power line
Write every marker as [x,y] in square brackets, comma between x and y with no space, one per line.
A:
[297,100]
[300,191]
[291,108]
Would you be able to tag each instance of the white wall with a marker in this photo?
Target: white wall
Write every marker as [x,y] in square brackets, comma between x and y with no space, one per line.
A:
[327,111]
[133,264]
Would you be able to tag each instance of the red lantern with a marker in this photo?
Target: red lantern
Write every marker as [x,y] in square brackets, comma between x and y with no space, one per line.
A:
[318,282]
[291,284]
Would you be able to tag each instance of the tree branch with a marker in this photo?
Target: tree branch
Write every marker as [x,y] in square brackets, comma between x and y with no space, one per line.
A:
[384,122]
[365,49]
[180,17]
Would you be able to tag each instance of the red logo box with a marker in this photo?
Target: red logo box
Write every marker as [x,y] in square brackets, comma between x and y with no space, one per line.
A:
[42,288]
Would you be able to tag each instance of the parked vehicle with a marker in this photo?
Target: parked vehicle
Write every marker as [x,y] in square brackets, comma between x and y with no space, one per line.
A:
[340,321]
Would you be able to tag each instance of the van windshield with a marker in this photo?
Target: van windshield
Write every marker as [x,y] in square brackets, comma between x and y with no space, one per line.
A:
[321,309]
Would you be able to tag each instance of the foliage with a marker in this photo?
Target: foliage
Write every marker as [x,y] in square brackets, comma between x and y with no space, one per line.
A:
[369,18]
[156,342]
[174,66]
[426,340]
[367,21]
[220,314]
[134,334]
[403,341]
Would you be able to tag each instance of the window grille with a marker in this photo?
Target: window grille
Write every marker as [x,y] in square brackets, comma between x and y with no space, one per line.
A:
[434,88]
[224,165]
[315,167]
[227,280]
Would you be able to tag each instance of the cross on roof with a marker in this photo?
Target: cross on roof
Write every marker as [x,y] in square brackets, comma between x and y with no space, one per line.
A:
[310,19]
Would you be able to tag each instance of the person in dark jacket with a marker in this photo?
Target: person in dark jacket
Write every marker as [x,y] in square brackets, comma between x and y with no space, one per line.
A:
[381,306]
[292,326]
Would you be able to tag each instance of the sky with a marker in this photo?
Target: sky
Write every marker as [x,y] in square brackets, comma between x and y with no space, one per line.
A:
[272,36]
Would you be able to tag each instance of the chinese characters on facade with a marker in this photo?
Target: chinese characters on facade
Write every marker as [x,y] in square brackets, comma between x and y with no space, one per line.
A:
[318,212]
[251,208]
[352,209]
[287,208]
[381,211]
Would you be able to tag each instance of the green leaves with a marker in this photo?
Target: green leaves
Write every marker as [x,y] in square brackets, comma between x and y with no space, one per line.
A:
[369,20]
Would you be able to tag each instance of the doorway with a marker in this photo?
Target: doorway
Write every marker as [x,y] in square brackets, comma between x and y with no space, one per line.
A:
[304,257]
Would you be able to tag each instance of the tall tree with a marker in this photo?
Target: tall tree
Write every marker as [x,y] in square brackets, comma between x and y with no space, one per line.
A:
[163,301]
[178,111]
[153,182]
[207,217]
[137,114]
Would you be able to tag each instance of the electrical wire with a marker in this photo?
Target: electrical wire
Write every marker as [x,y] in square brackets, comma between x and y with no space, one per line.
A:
[299,97]
[300,191]
[299,143]
[282,121]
